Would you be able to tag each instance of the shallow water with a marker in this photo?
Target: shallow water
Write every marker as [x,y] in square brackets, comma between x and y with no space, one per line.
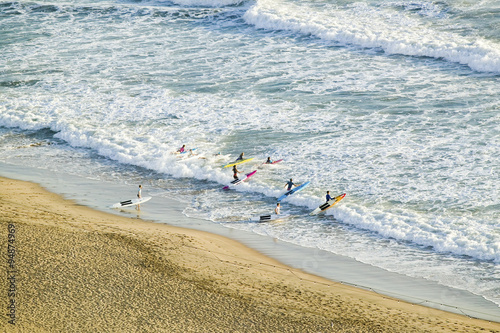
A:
[338,269]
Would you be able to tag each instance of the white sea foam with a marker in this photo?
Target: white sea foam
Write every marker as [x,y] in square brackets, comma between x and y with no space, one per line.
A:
[117,137]
[208,3]
[365,26]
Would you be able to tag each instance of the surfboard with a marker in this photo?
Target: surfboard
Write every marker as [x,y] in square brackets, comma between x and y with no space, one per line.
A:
[132,202]
[239,181]
[294,190]
[327,205]
[237,162]
[277,161]
[269,217]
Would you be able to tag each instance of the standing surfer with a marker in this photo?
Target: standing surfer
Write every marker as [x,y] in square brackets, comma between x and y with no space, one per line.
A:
[139,195]
[290,184]
[235,172]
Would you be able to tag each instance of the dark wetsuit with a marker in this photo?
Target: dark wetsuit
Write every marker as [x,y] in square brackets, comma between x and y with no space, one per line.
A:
[235,172]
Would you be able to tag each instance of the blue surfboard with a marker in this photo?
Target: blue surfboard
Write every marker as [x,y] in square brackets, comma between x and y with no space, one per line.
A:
[294,190]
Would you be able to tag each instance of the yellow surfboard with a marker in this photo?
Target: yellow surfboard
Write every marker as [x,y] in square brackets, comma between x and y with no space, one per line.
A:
[327,205]
[237,162]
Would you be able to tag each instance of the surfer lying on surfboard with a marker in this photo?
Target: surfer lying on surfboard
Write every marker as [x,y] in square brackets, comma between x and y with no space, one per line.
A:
[238,161]
[180,150]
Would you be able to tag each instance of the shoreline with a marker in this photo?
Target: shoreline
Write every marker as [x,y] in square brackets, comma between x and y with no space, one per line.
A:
[224,271]
[98,194]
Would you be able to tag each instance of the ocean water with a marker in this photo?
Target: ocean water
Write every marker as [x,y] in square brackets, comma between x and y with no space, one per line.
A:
[393,102]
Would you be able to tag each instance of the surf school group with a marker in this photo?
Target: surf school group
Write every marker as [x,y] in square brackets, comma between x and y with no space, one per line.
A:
[290,186]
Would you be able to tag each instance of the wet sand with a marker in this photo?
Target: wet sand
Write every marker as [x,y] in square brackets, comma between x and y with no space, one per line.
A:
[75,269]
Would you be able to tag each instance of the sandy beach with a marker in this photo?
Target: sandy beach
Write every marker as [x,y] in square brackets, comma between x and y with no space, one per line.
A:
[73,269]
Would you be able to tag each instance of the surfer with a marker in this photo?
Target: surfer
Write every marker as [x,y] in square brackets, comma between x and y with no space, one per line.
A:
[181,149]
[328,197]
[277,210]
[241,157]
[139,195]
[290,184]
[236,172]
[269,161]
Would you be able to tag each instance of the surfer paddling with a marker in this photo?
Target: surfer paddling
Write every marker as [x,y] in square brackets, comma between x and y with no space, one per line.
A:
[270,161]
[179,151]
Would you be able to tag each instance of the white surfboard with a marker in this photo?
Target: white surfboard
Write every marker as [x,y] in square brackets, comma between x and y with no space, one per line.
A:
[269,217]
[132,202]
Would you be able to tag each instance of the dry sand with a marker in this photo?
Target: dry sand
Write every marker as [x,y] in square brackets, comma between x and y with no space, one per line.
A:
[80,270]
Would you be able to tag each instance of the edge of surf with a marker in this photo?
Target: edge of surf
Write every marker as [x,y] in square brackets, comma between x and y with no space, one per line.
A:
[96,195]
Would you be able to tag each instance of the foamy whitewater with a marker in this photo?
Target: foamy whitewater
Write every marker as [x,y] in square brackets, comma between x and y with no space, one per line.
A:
[395,103]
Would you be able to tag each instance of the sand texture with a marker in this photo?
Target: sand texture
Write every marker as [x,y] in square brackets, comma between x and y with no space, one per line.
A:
[80,270]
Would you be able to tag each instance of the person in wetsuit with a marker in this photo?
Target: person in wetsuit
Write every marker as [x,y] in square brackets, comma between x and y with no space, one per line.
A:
[235,172]
[290,184]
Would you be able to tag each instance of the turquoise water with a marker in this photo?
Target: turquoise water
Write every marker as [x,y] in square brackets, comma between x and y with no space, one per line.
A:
[394,103]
